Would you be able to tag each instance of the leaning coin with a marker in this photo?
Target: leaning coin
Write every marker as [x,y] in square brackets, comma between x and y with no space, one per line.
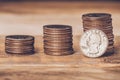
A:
[94,43]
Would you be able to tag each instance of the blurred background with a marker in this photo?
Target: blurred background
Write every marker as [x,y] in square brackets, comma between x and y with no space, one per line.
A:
[58,0]
[29,16]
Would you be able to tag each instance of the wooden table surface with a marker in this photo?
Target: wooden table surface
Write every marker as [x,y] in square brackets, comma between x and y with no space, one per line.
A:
[46,67]
[29,17]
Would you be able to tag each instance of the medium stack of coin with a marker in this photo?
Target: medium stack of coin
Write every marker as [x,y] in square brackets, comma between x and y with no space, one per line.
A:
[19,44]
[101,21]
[58,40]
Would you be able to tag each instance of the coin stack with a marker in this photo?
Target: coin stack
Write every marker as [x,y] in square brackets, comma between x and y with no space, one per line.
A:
[19,44]
[58,40]
[101,21]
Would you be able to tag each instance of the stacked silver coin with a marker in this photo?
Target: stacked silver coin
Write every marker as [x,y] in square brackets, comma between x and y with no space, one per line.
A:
[101,21]
[58,40]
[19,44]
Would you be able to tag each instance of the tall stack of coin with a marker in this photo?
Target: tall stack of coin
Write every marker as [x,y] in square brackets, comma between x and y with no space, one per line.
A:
[101,21]
[19,44]
[58,40]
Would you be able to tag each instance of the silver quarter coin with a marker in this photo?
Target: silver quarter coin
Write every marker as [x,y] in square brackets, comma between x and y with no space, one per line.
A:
[94,43]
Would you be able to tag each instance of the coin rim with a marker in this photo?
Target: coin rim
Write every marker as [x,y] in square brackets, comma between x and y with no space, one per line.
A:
[99,53]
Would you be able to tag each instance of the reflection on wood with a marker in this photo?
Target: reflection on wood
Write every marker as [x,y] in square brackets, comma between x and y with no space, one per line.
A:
[60,74]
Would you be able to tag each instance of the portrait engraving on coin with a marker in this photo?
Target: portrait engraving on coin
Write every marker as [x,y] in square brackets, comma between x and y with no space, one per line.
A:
[94,43]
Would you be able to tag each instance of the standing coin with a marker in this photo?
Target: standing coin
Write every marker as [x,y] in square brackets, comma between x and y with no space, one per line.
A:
[94,43]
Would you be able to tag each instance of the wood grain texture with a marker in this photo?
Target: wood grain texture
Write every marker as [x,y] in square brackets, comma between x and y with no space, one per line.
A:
[40,58]
[60,73]
[46,67]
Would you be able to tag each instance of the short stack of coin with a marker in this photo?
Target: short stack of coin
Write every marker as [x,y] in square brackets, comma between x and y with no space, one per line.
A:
[19,44]
[103,22]
[58,40]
